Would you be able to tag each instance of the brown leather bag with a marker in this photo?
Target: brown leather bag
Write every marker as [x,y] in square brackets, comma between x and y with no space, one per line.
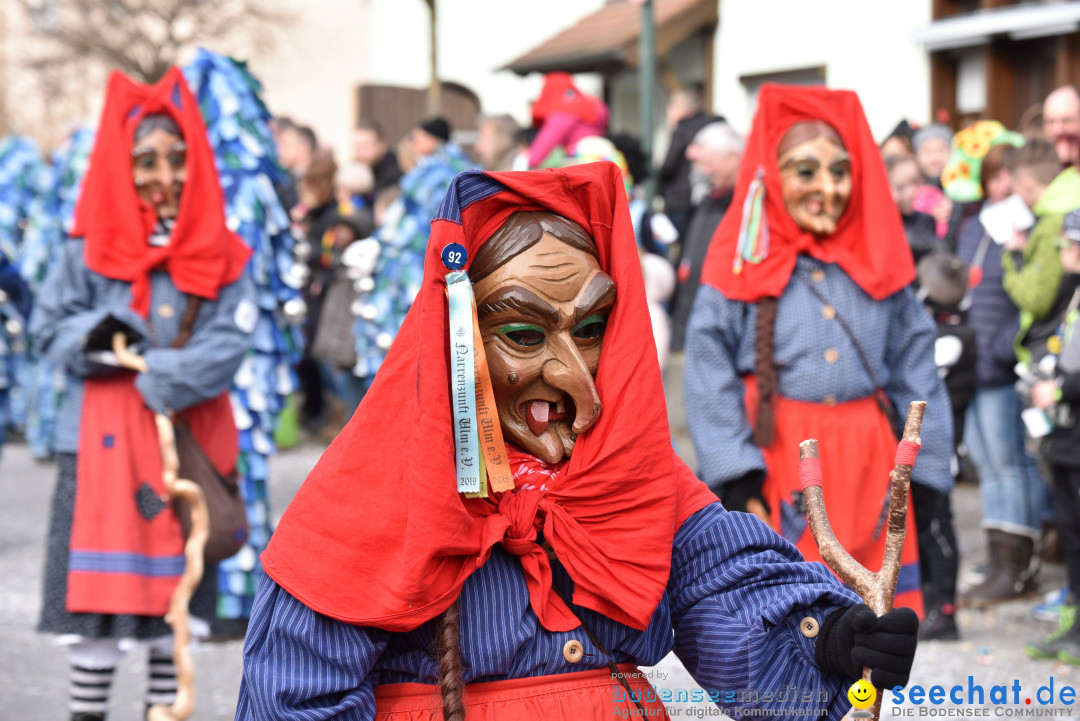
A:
[229,527]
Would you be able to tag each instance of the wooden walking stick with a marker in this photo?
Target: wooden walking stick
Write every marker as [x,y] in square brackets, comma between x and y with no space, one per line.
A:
[876,589]
[177,615]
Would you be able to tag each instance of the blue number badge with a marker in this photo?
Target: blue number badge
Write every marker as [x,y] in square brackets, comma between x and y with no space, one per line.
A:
[454,256]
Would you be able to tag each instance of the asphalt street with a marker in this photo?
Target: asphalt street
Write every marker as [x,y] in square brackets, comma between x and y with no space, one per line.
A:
[33,673]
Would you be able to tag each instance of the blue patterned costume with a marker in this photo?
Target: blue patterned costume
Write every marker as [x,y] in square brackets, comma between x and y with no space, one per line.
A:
[51,214]
[20,175]
[237,124]
[403,239]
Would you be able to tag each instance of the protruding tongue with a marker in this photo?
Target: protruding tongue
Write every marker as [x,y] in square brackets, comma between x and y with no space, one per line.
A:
[536,415]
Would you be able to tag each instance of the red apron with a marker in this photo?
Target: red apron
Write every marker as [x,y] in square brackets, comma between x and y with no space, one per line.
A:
[582,695]
[857,448]
[127,549]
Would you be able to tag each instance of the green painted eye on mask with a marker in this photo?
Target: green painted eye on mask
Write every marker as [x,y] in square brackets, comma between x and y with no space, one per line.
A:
[522,334]
[591,328]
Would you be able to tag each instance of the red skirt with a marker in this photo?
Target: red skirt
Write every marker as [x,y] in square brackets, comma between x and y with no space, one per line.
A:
[857,448]
[581,695]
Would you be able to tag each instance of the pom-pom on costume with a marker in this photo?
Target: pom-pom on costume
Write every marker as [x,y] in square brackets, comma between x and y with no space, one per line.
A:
[826,329]
[612,555]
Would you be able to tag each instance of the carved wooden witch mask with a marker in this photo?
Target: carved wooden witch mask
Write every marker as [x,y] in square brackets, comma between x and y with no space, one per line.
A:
[542,304]
[815,176]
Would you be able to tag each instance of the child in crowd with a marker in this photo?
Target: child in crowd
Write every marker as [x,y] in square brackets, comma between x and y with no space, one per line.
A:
[932,147]
[942,279]
[905,179]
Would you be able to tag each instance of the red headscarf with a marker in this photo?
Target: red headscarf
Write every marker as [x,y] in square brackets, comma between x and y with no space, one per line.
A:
[378,535]
[869,242]
[560,95]
[203,255]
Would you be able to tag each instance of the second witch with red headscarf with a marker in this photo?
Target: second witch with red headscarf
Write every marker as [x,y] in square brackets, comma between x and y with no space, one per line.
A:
[150,255]
[805,328]
[392,594]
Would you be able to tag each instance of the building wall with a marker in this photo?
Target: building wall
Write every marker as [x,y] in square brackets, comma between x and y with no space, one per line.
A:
[863,46]
[329,47]
[45,106]
[335,45]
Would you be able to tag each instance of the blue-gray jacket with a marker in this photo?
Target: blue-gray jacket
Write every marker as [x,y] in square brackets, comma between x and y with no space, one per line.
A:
[75,299]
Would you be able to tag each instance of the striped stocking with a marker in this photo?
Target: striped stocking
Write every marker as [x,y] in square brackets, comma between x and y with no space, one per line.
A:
[162,683]
[92,665]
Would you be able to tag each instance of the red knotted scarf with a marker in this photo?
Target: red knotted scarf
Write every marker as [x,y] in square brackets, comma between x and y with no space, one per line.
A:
[869,242]
[203,255]
[378,535]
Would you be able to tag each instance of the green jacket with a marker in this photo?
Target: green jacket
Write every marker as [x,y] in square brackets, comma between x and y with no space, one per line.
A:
[1033,285]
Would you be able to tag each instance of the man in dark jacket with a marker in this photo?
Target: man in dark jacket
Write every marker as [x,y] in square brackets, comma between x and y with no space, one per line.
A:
[714,152]
[685,117]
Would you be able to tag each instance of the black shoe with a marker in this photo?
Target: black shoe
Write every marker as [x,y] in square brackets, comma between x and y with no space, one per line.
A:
[86,716]
[940,624]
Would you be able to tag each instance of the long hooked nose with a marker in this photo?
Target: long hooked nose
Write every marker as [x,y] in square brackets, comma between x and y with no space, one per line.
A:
[167,175]
[567,372]
[828,191]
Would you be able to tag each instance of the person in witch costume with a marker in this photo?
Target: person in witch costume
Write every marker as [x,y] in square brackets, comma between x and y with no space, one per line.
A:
[805,328]
[579,546]
[150,256]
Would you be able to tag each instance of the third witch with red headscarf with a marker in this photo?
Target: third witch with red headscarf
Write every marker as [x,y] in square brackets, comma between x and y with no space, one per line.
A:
[805,328]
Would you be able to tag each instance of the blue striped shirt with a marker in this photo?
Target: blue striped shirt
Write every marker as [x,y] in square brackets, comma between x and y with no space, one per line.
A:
[816,362]
[731,612]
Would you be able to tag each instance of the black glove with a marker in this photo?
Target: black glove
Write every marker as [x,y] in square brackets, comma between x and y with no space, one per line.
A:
[852,638]
[735,494]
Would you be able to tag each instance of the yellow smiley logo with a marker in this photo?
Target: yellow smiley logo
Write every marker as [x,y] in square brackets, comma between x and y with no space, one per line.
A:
[862,694]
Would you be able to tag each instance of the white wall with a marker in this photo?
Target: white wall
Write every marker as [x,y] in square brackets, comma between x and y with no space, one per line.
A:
[864,46]
[334,45]
[311,71]
[477,37]
[329,47]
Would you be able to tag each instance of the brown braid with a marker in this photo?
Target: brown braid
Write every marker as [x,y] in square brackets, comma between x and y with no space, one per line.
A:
[765,369]
[451,686]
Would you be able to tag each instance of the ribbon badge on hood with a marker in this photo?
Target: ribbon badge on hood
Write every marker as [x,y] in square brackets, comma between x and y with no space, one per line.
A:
[479,449]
